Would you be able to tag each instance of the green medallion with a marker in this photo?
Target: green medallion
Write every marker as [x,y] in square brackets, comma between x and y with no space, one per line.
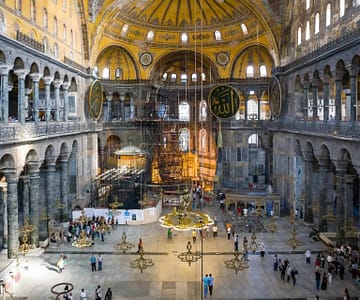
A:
[224,101]
[95,100]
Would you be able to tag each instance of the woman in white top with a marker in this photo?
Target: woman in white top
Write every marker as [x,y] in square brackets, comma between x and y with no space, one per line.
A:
[83,294]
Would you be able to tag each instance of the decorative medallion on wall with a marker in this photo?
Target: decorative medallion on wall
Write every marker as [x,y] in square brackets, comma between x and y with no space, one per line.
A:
[224,101]
[275,98]
[222,58]
[95,99]
[146,59]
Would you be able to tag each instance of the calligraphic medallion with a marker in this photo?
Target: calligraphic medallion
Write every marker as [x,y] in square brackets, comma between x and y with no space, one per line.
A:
[224,101]
[275,98]
[95,99]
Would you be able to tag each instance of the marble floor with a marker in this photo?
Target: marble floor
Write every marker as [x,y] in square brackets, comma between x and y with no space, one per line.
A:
[168,278]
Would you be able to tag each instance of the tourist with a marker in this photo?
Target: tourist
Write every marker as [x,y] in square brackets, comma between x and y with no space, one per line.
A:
[140,246]
[83,294]
[93,263]
[108,295]
[211,283]
[99,261]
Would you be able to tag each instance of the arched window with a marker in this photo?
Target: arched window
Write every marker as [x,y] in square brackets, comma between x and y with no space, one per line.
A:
[250,71]
[341,8]
[307,5]
[253,140]
[184,111]
[184,139]
[184,37]
[56,50]
[124,29]
[244,28]
[183,78]
[105,73]
[19,5]
[45,18]
[317,23]
[299,36]
[55,26]
[203,140]
[193,77]
[64,33]
[252,109]
[71,38]
[2,22]
[328,15]
[307,31]
[71,55]
[118,73]
[173,77]
[164,76]
[46,44]
[150,35]
[203,77]
[202,111]
[64,5]
[32,11]
[218,35]
[263,72]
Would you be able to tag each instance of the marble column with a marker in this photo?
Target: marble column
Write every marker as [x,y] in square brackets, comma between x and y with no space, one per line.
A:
[64,186]
[102,158]
[51,191]
[338,87]
[65,86]
[309,176]
[57,84]
[4,101]
[122,108]
[306,100]
[47,81]
[12,215]
[4,214]
[353,90]
[35,77]
[246,109]
[21,94]
[26,196]
[325,187]
[34,201]
[326,98]
[341,167]
[349,199]
[315,83]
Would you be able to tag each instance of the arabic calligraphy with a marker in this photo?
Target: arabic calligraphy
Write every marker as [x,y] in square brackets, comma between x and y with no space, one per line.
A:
[224,101]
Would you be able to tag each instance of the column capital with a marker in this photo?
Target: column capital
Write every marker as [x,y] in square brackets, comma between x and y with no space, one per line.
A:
[326,78]
[324,160]
[341,167]
[315,82]
[35,77]
[354,70]
[65,85]
[21,73]
[4,70]
[339,75]
[308,156]
[47,80]
[50,159]
[33,166]
[57,83]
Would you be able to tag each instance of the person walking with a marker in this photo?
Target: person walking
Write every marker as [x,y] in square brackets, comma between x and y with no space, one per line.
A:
[206,284]
[99,261]
[215,230]
[308,256]
[194,235]
[236,243]
[83,294]
[140,246]
[93,263]
[60,264]
[98,293]
[317,279]
[342,271]
[324,282]
[346,294]
[108,295]
[228,230]
[276,263]
[211,283]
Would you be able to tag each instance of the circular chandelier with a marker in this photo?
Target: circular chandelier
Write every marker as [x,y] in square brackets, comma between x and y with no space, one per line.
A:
[183,218]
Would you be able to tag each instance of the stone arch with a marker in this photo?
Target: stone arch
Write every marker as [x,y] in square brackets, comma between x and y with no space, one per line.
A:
[255,55]
[2,58]
[57,76]
[7,161]
[73,85]
[19,64]
[46,72]
[298,87]
[34,68]
[113,143]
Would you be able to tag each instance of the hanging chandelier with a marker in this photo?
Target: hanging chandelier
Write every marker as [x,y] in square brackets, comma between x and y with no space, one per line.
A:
[184,219]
